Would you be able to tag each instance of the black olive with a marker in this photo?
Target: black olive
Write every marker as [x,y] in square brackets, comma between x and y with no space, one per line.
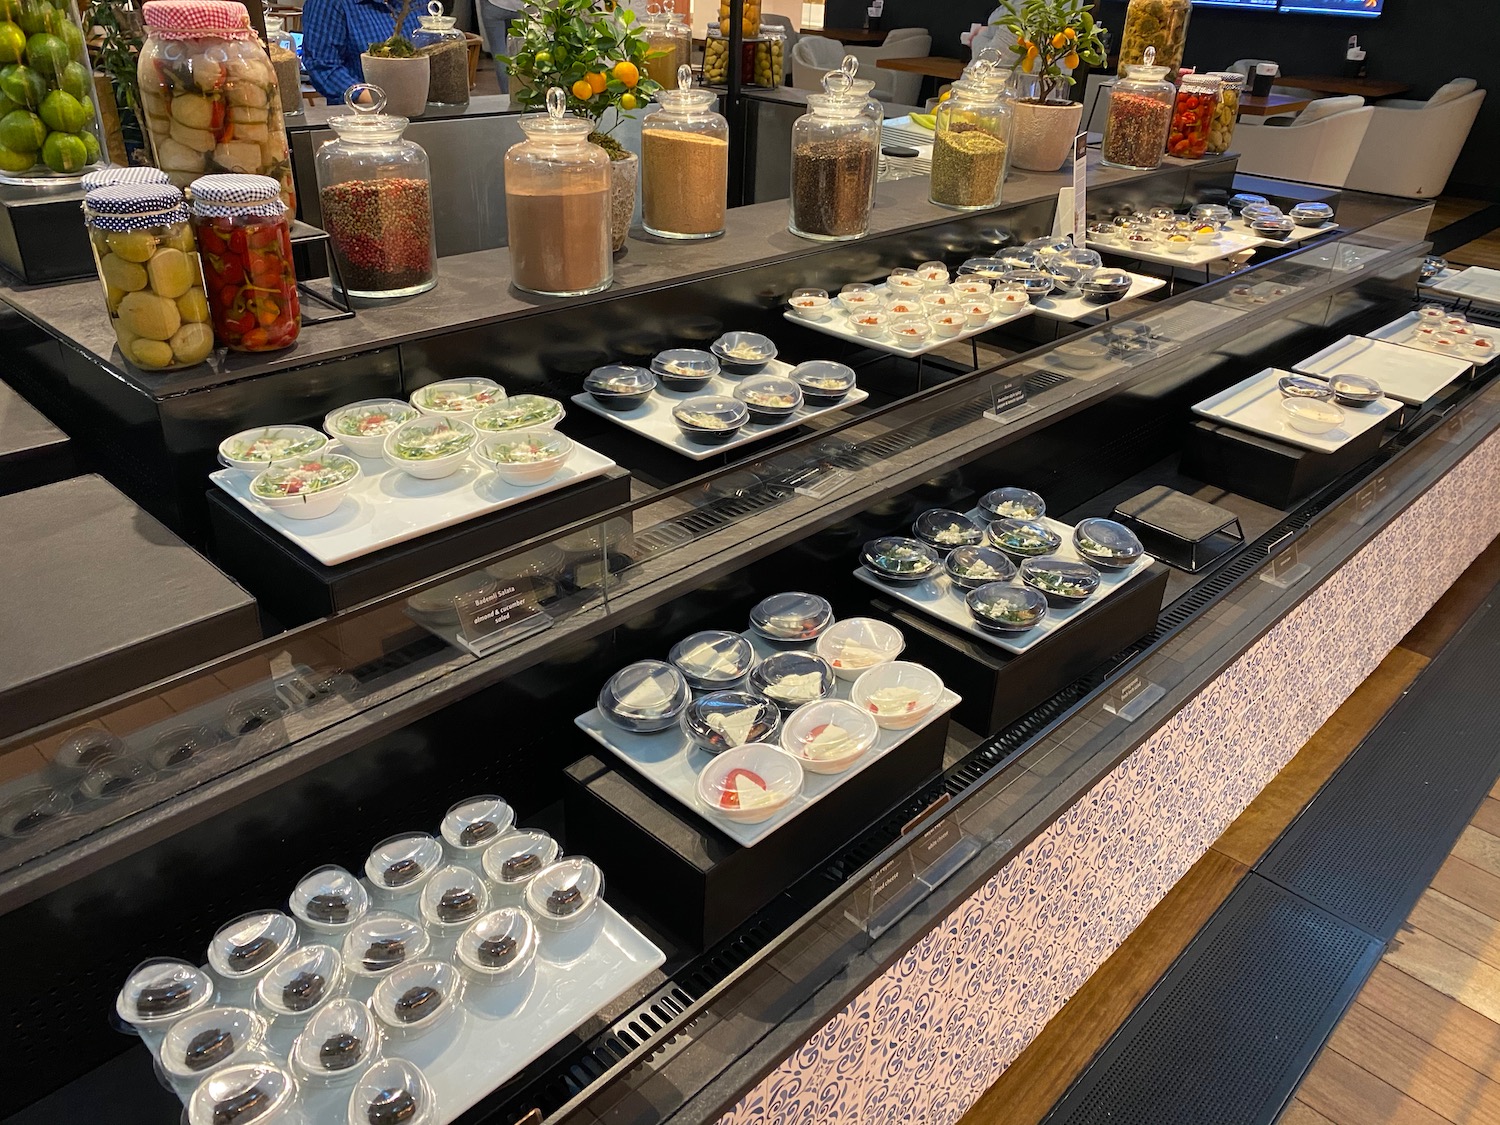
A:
[384,954]
[242,958]
[457,904]
[340,1051]
[391,1106]
[401,872]
[498,952]
[477,833]
[303,991]
[518,867]
[208,1048]
[251,1103]
[163,998]
[329,907]
[416,1004]
[564,901]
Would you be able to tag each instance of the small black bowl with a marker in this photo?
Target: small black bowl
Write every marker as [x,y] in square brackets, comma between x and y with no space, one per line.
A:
[1048,576]
[943,530]
[999,607]
[900,561]
[1107,544]
[620,387]
[972,567]
[684,369]
[1023,539]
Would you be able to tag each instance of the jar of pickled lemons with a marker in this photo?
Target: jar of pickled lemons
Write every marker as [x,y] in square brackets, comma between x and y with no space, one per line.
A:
[148,264]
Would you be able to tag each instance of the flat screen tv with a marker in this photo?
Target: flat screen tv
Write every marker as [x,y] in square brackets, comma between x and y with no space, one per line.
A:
[1365,8]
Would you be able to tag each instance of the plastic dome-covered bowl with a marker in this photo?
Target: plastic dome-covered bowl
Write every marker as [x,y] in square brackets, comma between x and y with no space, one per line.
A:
[792,617]
[898,695]
[458,398]
[713,660]
[300,983]
[769,398]
[1012,503]
[473,824]
[723,720]
[744,353]
[829,736]
[684,369]
[565,894]
[1061,582]
[329,900]
[900,561]
[750,784]
[620,387]
[208,1040]
[1000,607]
[1107,543]
[943,529]
[251,1093]
[514,860]
[823,381]
[246,948]
[857,644]
[399,865]
[711,419]
[1023,539]
[644,697]
[417,998]
[969,568]
[393,1092]
[340,1040]
[380,942]
[790,679]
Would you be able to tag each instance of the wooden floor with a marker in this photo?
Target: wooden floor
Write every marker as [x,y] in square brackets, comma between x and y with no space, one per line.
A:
[1484,251]
[1421,1045]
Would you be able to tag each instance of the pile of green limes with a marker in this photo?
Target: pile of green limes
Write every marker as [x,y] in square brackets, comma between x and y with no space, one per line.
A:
[46,90]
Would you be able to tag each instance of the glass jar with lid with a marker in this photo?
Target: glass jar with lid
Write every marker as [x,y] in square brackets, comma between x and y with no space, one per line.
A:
[447,54]
[971,140]
[762,56]
[557,202]
[1227,115]
[1140,116]
[245,245]
[209,94]
[861,88]
[1193,116]
[1162,24]
[835,154]
[283,51]
[684,163]
[148,264]
[768,58]
[669,45]
[50,129]
[375,191]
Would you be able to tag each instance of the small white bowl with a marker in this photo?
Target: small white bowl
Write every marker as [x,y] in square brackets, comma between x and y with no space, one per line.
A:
[1081,355]
[1178,244]
[474,395]
[855,645]
[434,468]
[933,274]
[978,314]
[905,306]
[972,288]
[910,331]
[899,695]
[305,505]
[828,736]
[771,778]
[550,449]
[948,324]
[1312,416]
[870,322]
[905,283]
[386,414]
[811,305]
[1010,300]
[252,450]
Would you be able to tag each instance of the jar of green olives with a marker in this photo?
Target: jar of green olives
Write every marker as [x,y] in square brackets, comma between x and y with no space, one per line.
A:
[1162,24]
[148,265]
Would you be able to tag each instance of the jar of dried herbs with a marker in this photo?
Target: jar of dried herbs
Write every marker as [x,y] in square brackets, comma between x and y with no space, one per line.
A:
[1140,116]
[447,52]
[835,154]
[684,162]
[971,141]
[1162,24]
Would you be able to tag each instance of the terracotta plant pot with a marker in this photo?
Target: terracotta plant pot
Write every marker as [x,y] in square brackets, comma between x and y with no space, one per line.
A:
[1043,134]
[623,178]
[403,80]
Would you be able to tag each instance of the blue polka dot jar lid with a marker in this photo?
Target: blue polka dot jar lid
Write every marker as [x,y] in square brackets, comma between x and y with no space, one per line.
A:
[125,207]
[236,193]
[117,174]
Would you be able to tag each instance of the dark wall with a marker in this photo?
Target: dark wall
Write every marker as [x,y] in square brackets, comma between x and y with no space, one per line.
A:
[1417,41]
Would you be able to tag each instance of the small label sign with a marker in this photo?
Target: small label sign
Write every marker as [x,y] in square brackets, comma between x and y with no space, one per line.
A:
[1008,395]
[890,883]
[937,842]
[1080,187]
[491,616]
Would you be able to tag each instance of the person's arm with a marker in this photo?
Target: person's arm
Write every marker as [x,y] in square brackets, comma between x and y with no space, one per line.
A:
[327,49]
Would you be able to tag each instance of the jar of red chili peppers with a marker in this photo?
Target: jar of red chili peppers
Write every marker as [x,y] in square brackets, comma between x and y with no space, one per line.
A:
[1140,116]
[1193,118]
[244,240]
[374,188]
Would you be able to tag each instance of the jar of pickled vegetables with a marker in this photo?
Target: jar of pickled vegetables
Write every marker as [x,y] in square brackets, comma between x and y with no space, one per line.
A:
[148,264]
[684,163]
[284,61]
[762,57]
[768,60]
[112,174]
[447,53]
[971,141]
[375,192]
[50,127]
[245,244]
[669,45]
[1227,115]
[209,94]
[1140,116]
[1162,24]
[1193,116]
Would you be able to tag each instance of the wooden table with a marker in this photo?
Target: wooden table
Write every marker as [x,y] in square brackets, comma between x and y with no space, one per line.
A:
[850,34]
[932,66]
[1271,104]
[1368,88]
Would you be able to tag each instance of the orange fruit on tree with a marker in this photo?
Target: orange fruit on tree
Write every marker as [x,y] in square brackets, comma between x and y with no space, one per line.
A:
[582,90]
[597,81]
[1059,41]
[628,73]
[1071,34]
[1071,62]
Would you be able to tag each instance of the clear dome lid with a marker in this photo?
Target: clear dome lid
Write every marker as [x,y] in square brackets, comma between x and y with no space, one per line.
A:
[161,990]
[713,657]
[365,123]
[838,98]
[722,720]
[329,896]
[477,822]
[341,1036]
[518,856]
[381,941]
[402,863]
[301,981]
[687,98]
[500,944]
[644,696]
[566,891]
[251,944]
[436,20]
[557,125]
[454,896]
[252,1093]
[792,616]
[393,1092]
[790,679]
[417,997]
[210,1038]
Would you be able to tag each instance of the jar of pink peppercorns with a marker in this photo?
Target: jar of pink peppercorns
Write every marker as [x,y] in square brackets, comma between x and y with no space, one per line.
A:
[374,188]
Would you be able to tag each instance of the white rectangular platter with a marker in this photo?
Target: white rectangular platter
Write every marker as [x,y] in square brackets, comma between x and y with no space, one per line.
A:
[835,322]
[1254,404]
[653,420]
[938,597]
[1400,332]
[1227,244]
[1477,284]
[673,764]
[1404,374]
[1076,308]
[387,506]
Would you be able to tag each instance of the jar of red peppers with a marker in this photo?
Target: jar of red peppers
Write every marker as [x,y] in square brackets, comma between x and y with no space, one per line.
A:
[244,241]
[375,191]
[1193,117]
[1140,116]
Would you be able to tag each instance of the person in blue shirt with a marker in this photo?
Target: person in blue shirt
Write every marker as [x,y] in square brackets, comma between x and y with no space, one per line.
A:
[336,32]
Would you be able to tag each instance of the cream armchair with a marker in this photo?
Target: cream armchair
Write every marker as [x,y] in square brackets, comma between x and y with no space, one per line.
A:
[1319,147]
[895,85]
[813,56]
[1411,146]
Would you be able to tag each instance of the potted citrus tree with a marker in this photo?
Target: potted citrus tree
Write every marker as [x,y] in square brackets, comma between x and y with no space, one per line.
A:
[398,69]
[599,59]
[1053,38]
